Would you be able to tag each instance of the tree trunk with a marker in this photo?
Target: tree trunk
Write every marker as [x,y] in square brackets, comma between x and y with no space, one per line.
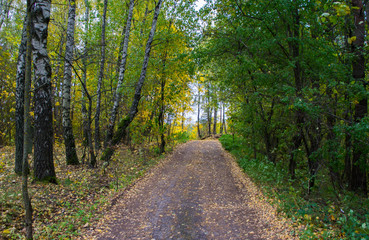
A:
[224,122]
[221,119]
[19,107]
[85,126]
[124,123]
[162,109]
[122,70]
[58,128]
[87,114]
[26,117]
[43,150]
[215,119]
[101,76]
[198,111]
[358,180]
[70,145]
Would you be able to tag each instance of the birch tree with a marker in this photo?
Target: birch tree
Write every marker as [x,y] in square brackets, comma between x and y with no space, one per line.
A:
[19,107]
[70,146]
[43,145]
[122,70]
[101,76]
[26,124]
[124,123]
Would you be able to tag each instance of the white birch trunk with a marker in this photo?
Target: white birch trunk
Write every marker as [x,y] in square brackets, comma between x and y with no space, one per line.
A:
[124,123]
[101,76]
[70,146]
[122,70]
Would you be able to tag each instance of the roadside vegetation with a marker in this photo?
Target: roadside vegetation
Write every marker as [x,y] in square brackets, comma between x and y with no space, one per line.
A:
[323,214]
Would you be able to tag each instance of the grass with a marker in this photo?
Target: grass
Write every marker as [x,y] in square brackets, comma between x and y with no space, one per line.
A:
[80,198]
[321,215]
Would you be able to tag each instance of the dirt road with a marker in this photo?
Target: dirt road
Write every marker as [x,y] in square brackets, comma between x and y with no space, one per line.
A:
[197,193]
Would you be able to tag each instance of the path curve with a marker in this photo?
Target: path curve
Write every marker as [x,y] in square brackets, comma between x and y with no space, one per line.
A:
[199,192]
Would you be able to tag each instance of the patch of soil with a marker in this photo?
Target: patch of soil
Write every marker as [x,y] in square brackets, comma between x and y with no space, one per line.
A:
[199,192]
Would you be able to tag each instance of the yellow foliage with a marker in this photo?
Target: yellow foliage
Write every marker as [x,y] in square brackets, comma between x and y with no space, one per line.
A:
[351,39]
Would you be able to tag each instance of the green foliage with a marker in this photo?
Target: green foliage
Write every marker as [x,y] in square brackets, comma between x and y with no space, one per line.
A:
[322,216]
[181,137]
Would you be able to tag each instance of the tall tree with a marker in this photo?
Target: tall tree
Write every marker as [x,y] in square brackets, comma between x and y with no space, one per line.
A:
[69,142]
[27,122]
[122,70]
[87,114]
[124,123]
[43,151]
[19,109]
[101,76]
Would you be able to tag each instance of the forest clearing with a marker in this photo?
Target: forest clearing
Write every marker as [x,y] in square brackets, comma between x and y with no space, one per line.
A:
[97,95]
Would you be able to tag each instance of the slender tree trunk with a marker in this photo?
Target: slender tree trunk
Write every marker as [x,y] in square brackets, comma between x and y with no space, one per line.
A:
[85,126]
[27,122]
[122,70]
[224,122]
[209,121]
[43,151]
[198,111]
[87,114]
[124,123]
[70,145]
[358,180]
[101,76]
[221,119]
[59,89]
[19,107]
[215,119]
[162,108]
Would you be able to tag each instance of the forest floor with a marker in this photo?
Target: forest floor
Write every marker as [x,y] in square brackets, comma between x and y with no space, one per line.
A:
[81,197]
[198,192]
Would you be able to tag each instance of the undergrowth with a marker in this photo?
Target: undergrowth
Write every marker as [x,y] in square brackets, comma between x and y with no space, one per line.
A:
[80,198]
[323,214]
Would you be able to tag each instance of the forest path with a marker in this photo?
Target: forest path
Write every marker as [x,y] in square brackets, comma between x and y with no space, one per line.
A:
[198,192]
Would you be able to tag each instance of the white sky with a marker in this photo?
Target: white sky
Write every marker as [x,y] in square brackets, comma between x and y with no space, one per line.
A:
[199,4]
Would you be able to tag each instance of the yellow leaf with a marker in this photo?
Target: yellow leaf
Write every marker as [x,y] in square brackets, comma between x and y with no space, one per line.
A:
[57,104]
[6,231]
[32,114]
[351,39]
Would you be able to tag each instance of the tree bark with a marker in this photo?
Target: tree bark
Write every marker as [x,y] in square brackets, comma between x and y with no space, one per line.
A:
[358,181]
[87,134]
[101,76]
[85,126]
[124,123]
[198,110]
[43,150]
[215,119]
[122,70]
[26,117]
[70,145]
[19,107]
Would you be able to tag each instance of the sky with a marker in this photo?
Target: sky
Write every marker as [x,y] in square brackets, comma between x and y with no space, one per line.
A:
[199,4]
